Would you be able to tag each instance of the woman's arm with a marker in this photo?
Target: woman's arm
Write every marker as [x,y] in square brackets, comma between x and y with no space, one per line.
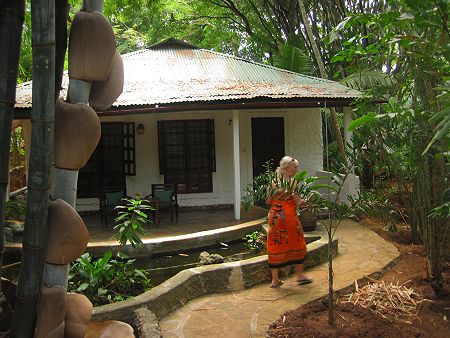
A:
[269,193]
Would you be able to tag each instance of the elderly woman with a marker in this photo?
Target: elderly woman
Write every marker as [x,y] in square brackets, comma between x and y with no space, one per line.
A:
[285,242]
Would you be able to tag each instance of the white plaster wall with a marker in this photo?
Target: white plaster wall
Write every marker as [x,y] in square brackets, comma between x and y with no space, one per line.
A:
[349,188]
[303,140]
[147,161]
[303,133]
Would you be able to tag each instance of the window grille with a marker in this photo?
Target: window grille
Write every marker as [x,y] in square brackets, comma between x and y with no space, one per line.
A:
[112,160]
[187,154]
[129,146]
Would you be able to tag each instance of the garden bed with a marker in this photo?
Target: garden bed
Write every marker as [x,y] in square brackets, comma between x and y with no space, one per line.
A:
[431,320]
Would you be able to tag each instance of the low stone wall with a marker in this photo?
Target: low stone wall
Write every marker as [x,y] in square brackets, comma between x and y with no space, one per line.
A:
[196,282]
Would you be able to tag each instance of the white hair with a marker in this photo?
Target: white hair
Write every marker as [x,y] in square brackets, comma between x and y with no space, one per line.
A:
[286,162]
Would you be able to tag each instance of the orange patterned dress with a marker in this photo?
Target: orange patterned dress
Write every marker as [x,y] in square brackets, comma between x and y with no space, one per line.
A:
[285,241]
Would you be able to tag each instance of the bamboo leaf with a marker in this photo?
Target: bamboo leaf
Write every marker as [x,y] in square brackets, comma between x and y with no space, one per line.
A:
[359,122]
[343,23]
[438,135]
[83,287]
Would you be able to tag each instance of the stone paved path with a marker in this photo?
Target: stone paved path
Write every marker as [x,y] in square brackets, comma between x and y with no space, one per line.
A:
[248,313]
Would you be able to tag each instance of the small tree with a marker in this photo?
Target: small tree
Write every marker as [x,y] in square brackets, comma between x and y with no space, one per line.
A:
[131,221]
[337,210]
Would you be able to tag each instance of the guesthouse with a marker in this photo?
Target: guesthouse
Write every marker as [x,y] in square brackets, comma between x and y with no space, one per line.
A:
[204,121]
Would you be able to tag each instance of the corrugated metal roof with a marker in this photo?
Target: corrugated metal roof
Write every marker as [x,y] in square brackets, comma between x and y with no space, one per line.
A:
[173,74]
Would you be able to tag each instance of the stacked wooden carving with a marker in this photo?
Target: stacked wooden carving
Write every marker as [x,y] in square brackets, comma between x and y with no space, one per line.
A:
[95,81]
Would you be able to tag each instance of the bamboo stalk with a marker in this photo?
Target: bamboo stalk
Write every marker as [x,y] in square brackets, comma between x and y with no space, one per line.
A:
[12,14]
[61,15]
[41,159]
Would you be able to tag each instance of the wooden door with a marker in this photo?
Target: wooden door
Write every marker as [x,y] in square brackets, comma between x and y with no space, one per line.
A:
[267,142]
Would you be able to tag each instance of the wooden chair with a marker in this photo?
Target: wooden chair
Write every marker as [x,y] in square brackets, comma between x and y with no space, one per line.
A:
[111,197]
[166,194]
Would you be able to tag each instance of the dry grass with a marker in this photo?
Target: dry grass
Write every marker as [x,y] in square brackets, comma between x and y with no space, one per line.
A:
[394,302]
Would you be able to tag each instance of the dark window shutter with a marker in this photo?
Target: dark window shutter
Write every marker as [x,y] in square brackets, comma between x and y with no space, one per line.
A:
[161,147]
[187,154]
[112,150]
[129,149]
[211,145]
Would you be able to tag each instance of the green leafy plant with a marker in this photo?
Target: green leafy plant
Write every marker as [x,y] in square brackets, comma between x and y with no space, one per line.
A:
[255,241]
[107,279]
[15,209]
[131,221]
[255,193]
[377,205]
[111,278]
[269,183]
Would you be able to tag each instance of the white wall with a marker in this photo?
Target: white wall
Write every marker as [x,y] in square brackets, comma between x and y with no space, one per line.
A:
[303,140]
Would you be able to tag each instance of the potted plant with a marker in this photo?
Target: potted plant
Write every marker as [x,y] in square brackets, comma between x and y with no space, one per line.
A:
[308,218]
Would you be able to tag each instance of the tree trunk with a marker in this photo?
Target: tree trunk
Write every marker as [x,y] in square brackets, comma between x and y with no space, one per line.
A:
[41,160]
[323,74]
[437,225]
[12,14]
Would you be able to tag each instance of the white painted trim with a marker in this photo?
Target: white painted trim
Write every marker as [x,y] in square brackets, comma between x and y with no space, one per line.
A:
[348,133]
[347,120]
[237,166]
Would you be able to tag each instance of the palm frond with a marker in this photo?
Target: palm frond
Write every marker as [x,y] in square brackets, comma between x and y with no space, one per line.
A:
[366,79]
[294,59]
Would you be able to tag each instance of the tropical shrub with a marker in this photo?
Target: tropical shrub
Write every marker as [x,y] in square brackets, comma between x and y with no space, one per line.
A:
[255,241]
[255,193]
[16,208]
[269,183]
[107,279]
[374,204]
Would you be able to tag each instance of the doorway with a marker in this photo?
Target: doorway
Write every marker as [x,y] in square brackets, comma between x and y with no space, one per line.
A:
[267,142]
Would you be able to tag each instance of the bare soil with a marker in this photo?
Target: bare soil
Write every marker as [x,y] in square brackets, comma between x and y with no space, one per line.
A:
[432,319]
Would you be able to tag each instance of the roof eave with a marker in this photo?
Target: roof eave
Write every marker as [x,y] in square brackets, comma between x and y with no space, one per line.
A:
[24,113]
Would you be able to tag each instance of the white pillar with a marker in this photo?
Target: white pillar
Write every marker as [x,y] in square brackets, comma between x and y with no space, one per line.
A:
[347,120]
[351,185]
[237,166]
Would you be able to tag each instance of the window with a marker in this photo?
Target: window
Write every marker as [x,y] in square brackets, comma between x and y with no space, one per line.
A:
[129,147]
[112,160]
[186,154]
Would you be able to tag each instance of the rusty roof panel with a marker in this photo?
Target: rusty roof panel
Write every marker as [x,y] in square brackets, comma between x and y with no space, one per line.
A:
[174,75]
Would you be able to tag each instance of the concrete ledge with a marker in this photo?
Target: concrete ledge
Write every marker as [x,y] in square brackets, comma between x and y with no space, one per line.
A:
[166,245]
[196,282]
[145,324]
[173,244]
